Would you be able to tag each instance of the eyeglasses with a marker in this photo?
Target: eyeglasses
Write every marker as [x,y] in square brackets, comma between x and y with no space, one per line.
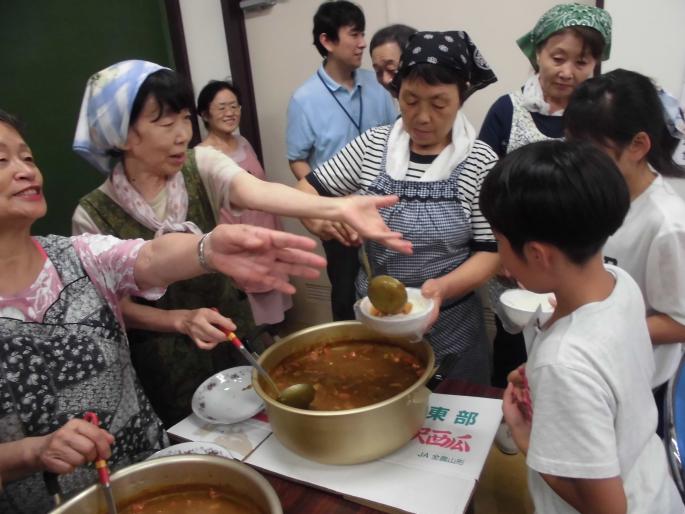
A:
[228,107]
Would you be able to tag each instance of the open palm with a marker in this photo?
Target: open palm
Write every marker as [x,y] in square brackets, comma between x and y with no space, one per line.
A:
[361,213]
[257,257]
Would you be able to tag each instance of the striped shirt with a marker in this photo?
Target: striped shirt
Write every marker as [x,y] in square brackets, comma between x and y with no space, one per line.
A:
[358,163]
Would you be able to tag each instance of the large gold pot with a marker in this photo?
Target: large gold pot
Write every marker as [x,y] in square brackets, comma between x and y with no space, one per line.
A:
[347,436]
[145,477]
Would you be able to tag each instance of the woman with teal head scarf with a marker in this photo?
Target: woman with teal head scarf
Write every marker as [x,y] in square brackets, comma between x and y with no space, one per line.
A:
[563,48]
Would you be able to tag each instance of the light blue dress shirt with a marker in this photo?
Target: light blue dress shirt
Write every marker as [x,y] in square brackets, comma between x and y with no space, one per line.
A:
[318,126]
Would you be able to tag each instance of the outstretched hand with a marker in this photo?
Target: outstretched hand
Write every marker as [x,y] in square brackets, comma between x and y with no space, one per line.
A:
[257,257]
[361,213]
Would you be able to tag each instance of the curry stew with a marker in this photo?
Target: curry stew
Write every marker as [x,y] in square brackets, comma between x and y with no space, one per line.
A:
[347,375]
[191,499]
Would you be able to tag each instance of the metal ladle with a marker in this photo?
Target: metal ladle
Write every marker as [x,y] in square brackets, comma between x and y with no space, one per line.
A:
[299,396]
[386,293]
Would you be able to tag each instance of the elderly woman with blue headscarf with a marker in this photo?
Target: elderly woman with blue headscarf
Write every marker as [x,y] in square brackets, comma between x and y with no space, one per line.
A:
[135,126]
[432,160]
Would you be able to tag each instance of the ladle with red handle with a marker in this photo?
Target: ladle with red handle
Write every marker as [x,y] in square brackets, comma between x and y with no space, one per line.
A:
[296,395]
[102,469]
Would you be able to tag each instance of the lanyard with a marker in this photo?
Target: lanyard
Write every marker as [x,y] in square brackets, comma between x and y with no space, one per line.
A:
[357,124]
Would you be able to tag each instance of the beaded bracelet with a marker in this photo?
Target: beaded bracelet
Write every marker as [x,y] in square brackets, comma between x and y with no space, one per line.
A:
[201,254]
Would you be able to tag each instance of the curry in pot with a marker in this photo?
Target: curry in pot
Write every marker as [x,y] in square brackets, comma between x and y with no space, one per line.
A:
[191,499]
[348,375]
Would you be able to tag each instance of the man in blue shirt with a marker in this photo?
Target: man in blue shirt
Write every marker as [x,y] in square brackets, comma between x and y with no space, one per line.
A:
[335,105]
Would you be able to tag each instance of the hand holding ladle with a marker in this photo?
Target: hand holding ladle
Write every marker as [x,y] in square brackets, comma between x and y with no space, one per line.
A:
[296,395]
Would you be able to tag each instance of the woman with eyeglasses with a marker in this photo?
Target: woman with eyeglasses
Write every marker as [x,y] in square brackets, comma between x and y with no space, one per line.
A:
[219,106]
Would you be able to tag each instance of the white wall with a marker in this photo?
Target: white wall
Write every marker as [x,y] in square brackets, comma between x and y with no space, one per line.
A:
[203,25]
[649,38]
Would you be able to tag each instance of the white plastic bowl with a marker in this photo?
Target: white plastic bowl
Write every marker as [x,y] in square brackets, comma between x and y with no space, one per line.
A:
[410,325]
[521,304]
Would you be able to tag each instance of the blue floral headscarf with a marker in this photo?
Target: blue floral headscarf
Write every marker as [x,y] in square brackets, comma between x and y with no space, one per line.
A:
[105,111]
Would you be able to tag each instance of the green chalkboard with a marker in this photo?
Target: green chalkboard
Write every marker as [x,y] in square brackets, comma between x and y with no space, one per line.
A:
[48,49]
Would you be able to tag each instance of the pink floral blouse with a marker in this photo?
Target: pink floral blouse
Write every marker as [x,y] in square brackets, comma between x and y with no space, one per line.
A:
[107,260]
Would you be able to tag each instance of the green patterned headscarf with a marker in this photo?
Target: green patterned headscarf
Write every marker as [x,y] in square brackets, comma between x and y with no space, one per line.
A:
[563,16]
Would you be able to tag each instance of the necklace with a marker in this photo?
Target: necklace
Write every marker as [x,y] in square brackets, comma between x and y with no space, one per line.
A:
[357,124]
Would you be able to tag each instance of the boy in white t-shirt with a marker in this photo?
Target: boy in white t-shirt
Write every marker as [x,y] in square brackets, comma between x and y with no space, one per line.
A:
[590,442]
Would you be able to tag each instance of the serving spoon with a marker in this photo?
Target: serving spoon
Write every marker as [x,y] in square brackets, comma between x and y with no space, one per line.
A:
[299,396]
[386,293]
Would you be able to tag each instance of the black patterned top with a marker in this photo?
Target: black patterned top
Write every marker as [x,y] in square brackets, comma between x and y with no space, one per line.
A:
[76,360]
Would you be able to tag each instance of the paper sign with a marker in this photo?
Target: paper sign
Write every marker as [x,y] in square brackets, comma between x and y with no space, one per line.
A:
[435,473]
[456,437]
[380,481]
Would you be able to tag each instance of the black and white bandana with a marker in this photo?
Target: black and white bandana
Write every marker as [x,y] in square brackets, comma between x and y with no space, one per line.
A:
[453,49]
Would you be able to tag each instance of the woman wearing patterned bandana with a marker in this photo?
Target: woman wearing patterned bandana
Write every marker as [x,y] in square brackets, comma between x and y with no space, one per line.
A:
[431,159]
[135,126]
[563,48]
[63,349]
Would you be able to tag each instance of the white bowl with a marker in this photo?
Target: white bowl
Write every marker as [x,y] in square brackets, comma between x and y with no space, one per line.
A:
[410,325]
[521,304]
[227,397]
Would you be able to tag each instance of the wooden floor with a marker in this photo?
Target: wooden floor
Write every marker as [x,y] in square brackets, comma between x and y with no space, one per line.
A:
[503,488]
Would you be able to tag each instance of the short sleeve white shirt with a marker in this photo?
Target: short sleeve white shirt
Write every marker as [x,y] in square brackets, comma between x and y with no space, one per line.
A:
[650,246]
[594,414]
